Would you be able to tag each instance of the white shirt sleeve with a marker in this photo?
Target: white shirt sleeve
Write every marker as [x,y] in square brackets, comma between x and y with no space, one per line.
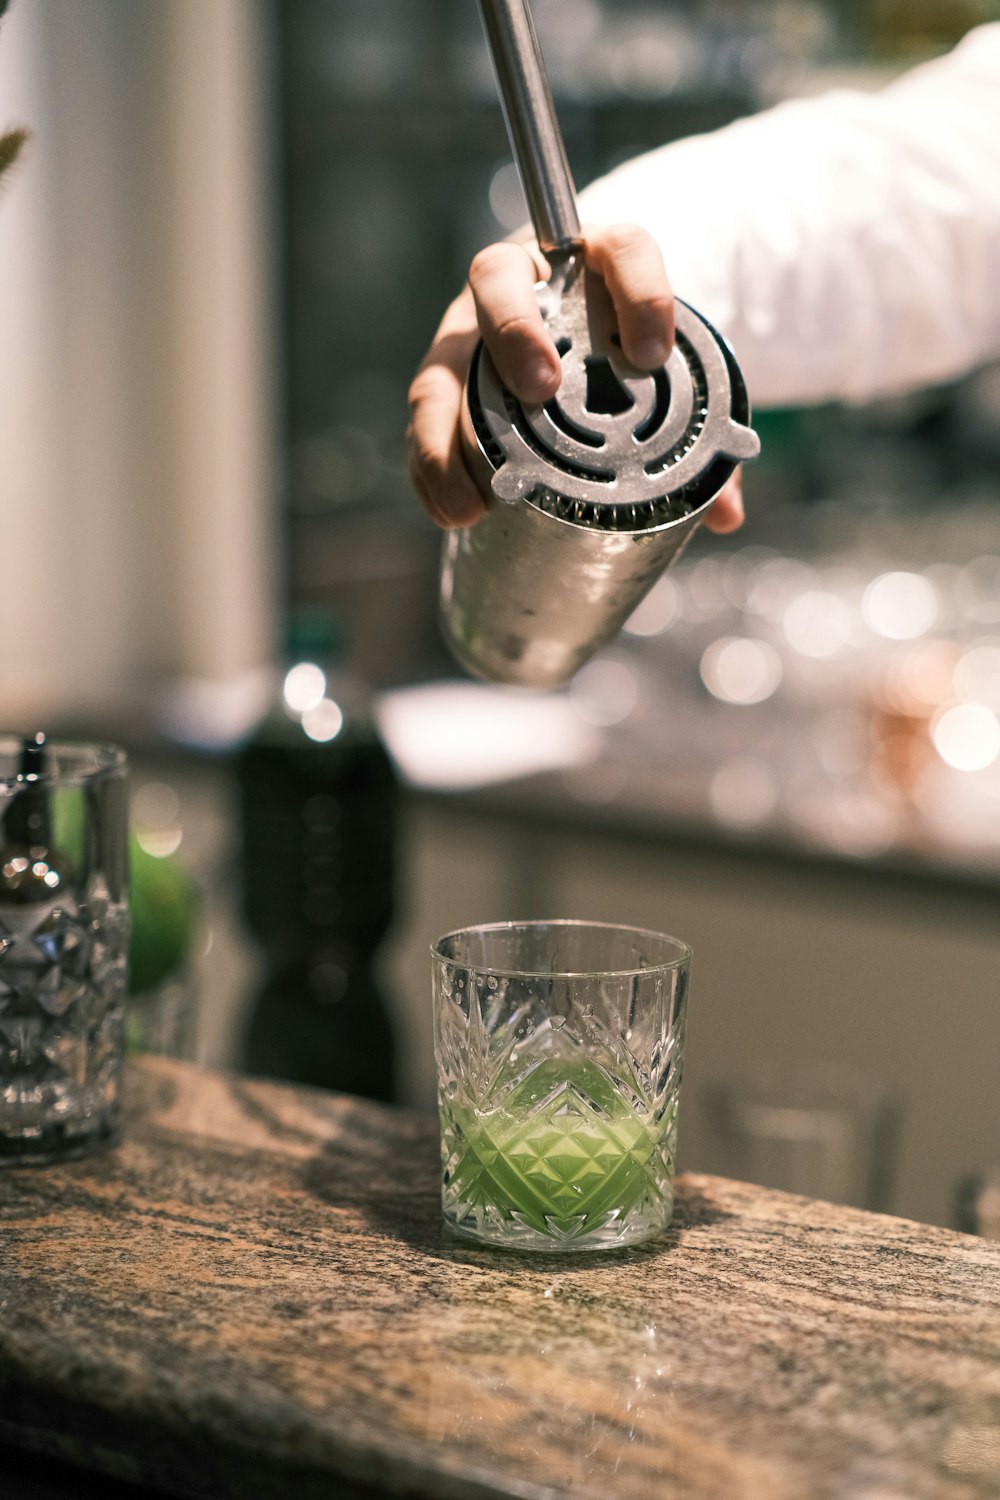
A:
[848,246]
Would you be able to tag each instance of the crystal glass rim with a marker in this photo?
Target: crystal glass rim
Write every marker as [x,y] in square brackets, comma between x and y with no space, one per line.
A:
[684,952]
[97,760]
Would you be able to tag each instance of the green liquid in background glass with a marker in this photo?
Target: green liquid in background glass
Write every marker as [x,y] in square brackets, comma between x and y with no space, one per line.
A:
[564,1151]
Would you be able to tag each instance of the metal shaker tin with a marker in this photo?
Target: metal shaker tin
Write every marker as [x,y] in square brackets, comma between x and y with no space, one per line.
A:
[587,507]
[592,494]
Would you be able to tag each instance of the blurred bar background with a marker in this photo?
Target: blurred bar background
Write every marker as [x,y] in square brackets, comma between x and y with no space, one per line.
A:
[228,246]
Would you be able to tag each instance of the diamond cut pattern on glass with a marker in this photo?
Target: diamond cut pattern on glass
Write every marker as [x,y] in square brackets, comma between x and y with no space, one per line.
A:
[558,1093]
[62,986]
[62,940]
[561,1168]
[561,1152]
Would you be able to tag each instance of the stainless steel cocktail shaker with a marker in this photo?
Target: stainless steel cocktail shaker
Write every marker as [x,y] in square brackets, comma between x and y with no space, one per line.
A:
[592,494]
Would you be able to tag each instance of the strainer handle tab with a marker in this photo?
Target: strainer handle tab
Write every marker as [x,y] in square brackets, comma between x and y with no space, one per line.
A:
[535,138]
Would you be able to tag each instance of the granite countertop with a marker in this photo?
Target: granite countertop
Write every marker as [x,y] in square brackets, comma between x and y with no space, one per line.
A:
[254,1296]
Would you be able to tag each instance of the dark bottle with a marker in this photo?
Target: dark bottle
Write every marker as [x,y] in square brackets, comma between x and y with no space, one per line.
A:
[317,813]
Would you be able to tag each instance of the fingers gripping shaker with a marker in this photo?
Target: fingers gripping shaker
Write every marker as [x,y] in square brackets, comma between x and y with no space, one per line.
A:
[592,494]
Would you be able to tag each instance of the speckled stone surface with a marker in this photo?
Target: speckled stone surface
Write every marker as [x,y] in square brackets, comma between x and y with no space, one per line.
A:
[254,1296]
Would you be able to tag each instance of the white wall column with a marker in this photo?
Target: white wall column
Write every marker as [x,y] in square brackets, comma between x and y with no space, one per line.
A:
[137,521]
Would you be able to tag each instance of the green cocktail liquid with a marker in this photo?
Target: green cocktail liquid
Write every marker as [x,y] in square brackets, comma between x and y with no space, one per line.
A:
[563,1154]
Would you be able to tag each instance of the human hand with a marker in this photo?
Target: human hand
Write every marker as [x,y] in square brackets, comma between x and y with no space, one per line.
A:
[499,304]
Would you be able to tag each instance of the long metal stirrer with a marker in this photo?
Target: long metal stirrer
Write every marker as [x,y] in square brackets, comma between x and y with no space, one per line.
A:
[535,138]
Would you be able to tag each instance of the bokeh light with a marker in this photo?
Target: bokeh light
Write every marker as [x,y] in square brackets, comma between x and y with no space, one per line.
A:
[604,692]
[305,684]
[817,624]
[900,606]
[976,678]
[741,669]
[323,721]
[967,736]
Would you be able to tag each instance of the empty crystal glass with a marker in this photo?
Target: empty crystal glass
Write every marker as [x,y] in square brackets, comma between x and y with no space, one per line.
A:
[825,1131]
[559,1049]
[63,946]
